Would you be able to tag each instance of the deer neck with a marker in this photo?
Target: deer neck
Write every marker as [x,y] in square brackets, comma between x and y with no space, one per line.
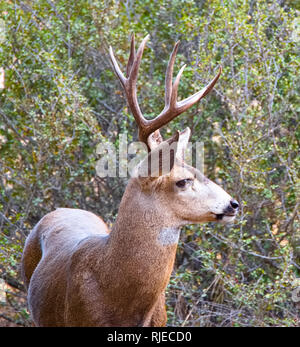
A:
[144,240]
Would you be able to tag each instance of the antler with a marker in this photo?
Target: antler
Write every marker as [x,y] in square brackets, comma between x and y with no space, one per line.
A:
[172,108]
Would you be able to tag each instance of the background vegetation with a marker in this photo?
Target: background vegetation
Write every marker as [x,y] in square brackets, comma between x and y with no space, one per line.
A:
[59,98]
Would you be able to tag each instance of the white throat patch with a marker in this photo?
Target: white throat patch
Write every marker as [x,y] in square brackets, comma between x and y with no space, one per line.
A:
[168,236]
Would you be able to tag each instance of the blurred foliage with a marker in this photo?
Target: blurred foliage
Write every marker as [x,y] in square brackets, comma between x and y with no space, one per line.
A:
[60,99]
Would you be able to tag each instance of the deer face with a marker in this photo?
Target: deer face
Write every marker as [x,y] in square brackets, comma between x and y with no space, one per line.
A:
[188,197]
[196,199]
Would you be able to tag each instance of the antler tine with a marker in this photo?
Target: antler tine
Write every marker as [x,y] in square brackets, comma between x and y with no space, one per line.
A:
[129,83]
[175,87]
[131,56]
[117,70]
[130,89]
[137,61]
[169,74]
[191,100]
[156,137]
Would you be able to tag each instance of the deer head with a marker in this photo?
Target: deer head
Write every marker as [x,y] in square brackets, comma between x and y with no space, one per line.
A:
[183,193]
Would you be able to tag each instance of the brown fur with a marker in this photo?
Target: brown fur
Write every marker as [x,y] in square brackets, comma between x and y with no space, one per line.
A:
[97,280]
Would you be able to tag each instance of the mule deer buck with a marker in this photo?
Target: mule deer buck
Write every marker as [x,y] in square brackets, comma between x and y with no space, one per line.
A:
[79,273]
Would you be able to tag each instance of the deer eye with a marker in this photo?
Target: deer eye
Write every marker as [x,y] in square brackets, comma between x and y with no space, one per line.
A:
[184,183]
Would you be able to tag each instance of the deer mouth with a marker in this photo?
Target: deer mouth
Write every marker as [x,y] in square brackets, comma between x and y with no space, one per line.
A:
[221,216]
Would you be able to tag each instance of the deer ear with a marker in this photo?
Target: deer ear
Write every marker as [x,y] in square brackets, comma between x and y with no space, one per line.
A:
[160,160]
[183,141]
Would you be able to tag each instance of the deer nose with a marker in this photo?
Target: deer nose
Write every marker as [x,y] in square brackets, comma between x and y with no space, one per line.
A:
[234,204]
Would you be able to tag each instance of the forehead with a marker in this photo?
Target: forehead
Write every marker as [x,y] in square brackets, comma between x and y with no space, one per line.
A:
[185,171]
[182,171]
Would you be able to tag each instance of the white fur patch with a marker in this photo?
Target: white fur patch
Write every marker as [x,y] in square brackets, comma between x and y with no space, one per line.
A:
[168,236]
[227,219]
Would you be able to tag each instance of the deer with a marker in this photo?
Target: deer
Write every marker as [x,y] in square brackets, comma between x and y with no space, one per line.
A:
[78,272]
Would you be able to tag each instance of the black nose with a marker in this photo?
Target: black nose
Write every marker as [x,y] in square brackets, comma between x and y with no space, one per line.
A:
[234,204]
